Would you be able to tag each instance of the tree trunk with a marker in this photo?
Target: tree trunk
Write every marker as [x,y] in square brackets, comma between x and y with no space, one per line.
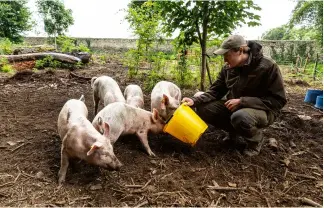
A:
[315,67]
[204,45]
[55,45]
[33,56]
[208,72]
[203,65]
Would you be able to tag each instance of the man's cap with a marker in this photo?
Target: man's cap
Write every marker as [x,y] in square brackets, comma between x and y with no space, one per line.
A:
[233,41]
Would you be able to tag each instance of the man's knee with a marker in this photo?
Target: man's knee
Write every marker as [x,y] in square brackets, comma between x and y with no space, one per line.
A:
[243,123]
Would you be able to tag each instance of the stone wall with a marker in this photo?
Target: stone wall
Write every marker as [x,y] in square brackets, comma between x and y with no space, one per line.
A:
[100,43]
[281,50]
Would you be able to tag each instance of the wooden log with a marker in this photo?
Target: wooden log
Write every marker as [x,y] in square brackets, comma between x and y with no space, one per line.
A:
[33,56]
[33,49]
[84,56]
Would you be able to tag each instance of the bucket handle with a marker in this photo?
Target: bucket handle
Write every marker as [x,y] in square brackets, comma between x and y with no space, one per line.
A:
[167,121]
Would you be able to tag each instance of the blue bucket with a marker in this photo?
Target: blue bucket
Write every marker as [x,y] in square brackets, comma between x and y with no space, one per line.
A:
[319,102]
[311,95]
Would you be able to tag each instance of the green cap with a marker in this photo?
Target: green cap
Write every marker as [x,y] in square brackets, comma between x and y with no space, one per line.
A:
[233,41]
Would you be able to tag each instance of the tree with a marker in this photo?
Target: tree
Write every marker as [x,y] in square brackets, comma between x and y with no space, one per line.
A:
[56,18]
[14,19]
[310,15]
[277,33]
[202,20]
[284,32]
[144,19]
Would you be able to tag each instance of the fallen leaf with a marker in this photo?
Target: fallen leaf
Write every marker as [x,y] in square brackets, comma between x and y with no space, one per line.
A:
[253,189]
[60,202]
[292,144]
[96,187]
[153,162]
[319,184]
[285,161]
[11,143]
[286,184]
[232,184]
[39,175]
[304,117]
[273,143]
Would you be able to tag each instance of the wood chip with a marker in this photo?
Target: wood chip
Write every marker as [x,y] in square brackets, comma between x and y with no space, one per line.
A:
[232,184]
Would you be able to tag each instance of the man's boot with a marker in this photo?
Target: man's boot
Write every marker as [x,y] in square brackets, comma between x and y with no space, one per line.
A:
[233,139]
[254,145]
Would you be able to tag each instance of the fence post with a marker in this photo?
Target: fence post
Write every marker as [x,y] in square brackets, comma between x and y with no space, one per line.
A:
[297,62]
[314,73]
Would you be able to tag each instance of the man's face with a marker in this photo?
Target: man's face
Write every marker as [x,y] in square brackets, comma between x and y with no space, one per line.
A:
[232,58]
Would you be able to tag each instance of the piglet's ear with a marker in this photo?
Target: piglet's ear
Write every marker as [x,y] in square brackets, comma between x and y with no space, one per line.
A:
[165,99]
[94,147]
[106,129]
[155,115]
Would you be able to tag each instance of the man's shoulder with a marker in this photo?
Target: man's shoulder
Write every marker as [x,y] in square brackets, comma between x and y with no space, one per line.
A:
[267,62]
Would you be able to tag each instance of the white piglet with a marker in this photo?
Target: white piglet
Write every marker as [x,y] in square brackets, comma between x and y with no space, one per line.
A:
[106,89]
[81,140]
[123,119]
[165,97]
[134,96]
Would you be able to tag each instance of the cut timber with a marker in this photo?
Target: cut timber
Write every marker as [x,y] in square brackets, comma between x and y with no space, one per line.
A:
[32,56]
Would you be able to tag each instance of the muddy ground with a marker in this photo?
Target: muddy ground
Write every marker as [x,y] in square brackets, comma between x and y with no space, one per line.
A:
[179,176]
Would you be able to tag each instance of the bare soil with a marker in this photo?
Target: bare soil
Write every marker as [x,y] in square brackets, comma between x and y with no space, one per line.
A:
[180,175]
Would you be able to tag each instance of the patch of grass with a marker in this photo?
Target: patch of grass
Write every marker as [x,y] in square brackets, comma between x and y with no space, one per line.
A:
[6,46]
[7,68]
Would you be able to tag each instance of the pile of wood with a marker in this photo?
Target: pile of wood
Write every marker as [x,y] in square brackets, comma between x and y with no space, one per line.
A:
[37,52]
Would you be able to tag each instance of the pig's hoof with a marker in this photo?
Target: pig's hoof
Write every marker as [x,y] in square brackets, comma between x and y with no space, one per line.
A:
[152,154]
[60,182]
[59,186]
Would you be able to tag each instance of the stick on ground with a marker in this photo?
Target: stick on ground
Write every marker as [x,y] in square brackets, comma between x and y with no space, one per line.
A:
[309,202]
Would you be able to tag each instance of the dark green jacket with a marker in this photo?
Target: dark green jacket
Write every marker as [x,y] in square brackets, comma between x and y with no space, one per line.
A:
[258,84]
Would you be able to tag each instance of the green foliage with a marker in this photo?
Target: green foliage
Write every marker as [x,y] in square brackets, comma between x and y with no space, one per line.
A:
[5,66]
[277,33]
[152,78]
[309,14]
[57,18]
[144,19]
[48,61]
[194,17]
[284,32]
[132,61]
[67,44]
[6,46]
[14,20]
[199,21]
[83,48]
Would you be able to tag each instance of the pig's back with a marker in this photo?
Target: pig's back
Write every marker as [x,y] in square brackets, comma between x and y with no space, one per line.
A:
[107,84]
[132,91]
[70,113]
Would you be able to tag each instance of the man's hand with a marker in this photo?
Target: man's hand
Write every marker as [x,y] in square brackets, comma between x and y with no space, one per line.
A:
[232,104]
[187,101]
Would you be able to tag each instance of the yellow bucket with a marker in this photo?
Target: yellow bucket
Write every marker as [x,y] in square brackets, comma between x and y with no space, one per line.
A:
[185,125]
